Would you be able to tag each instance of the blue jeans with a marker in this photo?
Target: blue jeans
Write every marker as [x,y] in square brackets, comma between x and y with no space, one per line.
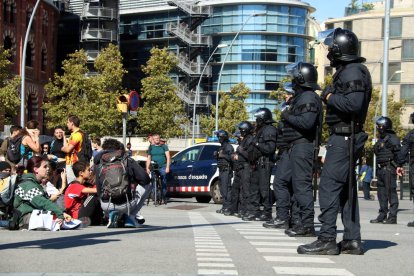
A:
[163,176]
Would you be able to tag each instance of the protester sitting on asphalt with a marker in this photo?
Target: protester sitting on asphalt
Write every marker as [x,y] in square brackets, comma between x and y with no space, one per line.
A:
[81,201]
[30,195]
[122,204]
[54,193]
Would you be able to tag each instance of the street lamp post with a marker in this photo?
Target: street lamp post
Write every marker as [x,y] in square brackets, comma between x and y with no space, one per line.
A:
[225,57]
[198,86]
[385,60]
[23,65]
[374,171]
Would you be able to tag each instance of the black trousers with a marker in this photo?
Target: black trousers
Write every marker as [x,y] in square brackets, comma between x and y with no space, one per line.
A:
[91,208]
[260,188]
[225,176]
[387,192]
[240,188]
[236,191]
[294,175]
[333,189]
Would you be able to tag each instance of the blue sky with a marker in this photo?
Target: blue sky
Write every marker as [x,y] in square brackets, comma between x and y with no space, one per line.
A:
[329,8]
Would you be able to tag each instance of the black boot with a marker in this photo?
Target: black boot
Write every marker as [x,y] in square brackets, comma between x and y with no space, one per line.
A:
[353,247]
[379,219]
[410,224]
[277,224]
[320,247]
[301,232]
[264,217]
[219,211]
[249,217]
[228,212]
[390,220]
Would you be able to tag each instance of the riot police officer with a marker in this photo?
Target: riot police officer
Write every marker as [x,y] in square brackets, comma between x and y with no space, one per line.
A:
[261,154]
[281,157]
[242,171]
[406,155]
[225,169]
[300,124]
[387,149]
[347,100]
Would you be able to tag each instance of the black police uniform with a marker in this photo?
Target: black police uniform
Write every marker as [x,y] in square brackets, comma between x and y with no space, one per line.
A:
[295,169]
[225,173]
[350,97]
[242,175]
[407,155]
[265,142]
[387,149]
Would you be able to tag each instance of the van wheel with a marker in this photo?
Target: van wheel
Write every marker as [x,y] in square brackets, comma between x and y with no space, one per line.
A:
[215,192]
[203,199]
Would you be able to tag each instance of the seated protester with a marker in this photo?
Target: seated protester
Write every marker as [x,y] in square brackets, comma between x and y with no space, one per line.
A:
[81,201]
[55,193]
[109,168]
[7,182]
[30,195]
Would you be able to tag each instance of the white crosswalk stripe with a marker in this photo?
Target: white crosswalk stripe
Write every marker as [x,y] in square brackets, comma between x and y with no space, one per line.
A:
[212,255]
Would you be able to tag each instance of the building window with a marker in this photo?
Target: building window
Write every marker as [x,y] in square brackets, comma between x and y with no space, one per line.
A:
[8,44]
[329,26]
[395,27]
[29,55]
[291,54]
[155,31]
[43,60]
[394,72]
[348,25]
[12,11]
[408,49]
[45,24]
[407,93]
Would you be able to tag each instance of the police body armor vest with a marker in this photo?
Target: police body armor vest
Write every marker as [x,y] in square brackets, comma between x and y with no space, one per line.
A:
[383,150]
[291,134]
[263,135]
[281,143]
[344,82]
[242,148]
[222,162]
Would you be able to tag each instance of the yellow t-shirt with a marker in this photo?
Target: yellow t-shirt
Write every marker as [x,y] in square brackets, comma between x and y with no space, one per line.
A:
[75,139]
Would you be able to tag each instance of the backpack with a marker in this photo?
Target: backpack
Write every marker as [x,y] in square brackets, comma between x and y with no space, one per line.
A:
[85,154]
[13,150]
[113,177]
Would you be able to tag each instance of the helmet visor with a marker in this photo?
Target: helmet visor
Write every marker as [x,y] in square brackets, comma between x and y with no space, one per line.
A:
[292,69]
[327,37]
[288,87]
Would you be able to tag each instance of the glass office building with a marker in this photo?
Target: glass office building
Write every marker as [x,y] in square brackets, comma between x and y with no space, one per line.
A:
[266,43]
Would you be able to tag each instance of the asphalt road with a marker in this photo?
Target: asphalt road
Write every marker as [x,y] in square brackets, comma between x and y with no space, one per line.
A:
[189,238]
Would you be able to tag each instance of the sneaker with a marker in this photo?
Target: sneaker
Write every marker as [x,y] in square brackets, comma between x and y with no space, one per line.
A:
[113,219]
[140,219]
[131,222]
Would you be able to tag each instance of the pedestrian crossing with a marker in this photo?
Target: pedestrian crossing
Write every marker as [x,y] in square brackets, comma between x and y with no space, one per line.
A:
[212,255]
[279,250]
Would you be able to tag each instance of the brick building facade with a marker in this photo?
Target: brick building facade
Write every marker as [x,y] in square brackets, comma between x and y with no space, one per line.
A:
[41,49]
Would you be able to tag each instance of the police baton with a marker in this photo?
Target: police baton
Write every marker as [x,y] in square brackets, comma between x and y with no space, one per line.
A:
[351,173]
[316,147]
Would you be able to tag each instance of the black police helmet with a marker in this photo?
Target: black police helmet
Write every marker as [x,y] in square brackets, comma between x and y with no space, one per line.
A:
[263,115]
[412,118]
[222,135]
[245,128]
[343,45]
[304,75]
[383,124]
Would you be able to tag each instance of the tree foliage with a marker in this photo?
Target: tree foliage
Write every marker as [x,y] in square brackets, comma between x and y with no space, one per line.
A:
[163,110]
[92,98]
[9,96]
[232,110]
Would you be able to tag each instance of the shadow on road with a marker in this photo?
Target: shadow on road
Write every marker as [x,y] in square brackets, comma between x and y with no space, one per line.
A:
[377,244]
[93,238]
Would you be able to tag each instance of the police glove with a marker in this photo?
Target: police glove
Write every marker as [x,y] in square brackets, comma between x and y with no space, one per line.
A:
[324,95]
[285,114]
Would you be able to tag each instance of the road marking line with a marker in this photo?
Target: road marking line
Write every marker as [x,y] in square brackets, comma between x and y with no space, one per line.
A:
[215,265]
[277,250]
[212,254]
[208,243]
[269,238]
[212,259]
[210,246]
[210,250]
[217,272]
[312,271]
[295,244]
[298,259]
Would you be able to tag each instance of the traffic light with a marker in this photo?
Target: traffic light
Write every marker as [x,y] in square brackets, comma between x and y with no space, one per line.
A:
[122,103]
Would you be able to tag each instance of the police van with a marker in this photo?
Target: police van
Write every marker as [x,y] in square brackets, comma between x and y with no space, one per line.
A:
[194,173]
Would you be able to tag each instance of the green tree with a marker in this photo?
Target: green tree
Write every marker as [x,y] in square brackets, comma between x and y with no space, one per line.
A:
[163,111]
[91,98]
[231,110]
[354,4]
[9,96]
[368,6]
